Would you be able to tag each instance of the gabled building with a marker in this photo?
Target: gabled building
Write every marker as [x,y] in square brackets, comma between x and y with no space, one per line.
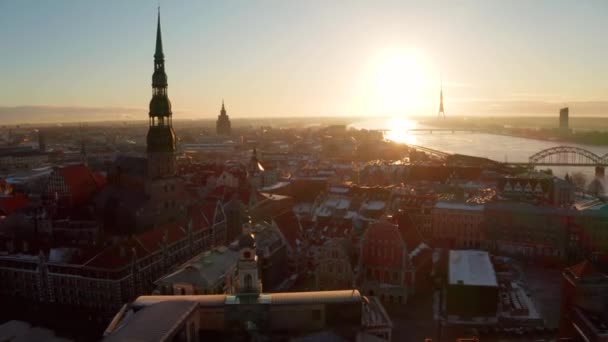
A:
[384,263]
[290,228]
[271,249]
[73,185]
[334,265]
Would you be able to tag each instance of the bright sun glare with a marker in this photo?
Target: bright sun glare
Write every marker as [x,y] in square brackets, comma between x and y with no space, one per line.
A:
[402,82]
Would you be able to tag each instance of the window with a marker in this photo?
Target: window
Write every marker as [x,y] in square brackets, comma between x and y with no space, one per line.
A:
[248,281]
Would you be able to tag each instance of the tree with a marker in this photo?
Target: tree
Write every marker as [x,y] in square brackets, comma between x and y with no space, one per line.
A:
[579,179]
[596,187]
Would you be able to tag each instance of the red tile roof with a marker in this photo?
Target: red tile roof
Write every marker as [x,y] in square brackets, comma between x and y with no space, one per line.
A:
[81,182]
[100,179]
[117,256]
[11,204]
[152,239]
[120,254]
[584,270]
[208,211]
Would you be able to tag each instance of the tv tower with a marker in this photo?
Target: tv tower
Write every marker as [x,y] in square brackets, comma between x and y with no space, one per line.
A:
[441,114]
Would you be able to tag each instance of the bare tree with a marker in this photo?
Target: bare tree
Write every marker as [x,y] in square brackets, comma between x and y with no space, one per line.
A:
[579,179]
[596,187]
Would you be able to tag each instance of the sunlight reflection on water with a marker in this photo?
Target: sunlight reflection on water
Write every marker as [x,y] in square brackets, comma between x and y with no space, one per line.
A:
[496,147]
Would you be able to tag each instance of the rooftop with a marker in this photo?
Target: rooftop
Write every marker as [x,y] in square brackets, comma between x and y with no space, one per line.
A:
[205,269]
[153,323]
[471,267]
[155,318]
[459,206]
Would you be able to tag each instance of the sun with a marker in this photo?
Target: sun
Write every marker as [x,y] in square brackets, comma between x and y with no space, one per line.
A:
[401,81]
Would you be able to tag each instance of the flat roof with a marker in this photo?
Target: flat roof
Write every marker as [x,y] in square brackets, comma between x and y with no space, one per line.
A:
[471,267]
[205,269]
[459,206]
[276,298]
[154,323]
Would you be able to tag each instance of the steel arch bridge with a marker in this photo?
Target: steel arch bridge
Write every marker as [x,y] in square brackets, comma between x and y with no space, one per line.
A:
[568,156]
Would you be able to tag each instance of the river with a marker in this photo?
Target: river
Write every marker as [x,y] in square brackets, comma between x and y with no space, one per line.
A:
[496,147]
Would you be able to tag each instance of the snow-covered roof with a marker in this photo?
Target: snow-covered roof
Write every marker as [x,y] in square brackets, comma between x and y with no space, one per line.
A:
[471,267]
[373,205]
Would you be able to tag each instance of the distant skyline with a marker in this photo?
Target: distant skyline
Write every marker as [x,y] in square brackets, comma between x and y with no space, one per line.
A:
[318,58]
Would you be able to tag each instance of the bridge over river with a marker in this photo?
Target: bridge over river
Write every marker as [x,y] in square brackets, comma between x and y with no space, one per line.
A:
[554,156]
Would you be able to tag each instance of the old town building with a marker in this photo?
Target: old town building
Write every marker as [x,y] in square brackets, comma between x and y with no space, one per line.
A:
[383,263]
[528,230]
[584,303]
[334,265]
[458,224]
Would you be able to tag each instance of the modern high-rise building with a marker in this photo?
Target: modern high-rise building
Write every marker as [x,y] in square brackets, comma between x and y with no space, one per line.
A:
[222,126]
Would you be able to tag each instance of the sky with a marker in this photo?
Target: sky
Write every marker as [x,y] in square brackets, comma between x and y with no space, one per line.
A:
[298,58]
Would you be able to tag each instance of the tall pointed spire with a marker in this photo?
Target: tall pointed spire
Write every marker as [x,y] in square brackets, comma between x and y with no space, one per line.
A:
[161,137]
[159,40]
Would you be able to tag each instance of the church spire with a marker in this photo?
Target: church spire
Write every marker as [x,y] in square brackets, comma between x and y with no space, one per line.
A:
[160,106]
[161,137]
[159,40]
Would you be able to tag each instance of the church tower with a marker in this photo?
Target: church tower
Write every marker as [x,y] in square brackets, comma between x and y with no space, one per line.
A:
[161,137]
[248,282]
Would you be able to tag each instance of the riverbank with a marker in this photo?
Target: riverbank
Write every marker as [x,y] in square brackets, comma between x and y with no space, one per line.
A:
[587,131]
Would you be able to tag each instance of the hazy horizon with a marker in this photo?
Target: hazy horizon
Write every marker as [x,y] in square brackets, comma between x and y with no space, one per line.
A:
[281,59]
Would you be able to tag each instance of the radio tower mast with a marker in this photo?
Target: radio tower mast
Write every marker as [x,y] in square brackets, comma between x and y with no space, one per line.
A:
[441,114]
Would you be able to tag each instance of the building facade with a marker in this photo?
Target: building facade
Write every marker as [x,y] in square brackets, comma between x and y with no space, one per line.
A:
[584,304]
[384,263]
[222,125]
[334,269]
[523,229]
[458,225]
